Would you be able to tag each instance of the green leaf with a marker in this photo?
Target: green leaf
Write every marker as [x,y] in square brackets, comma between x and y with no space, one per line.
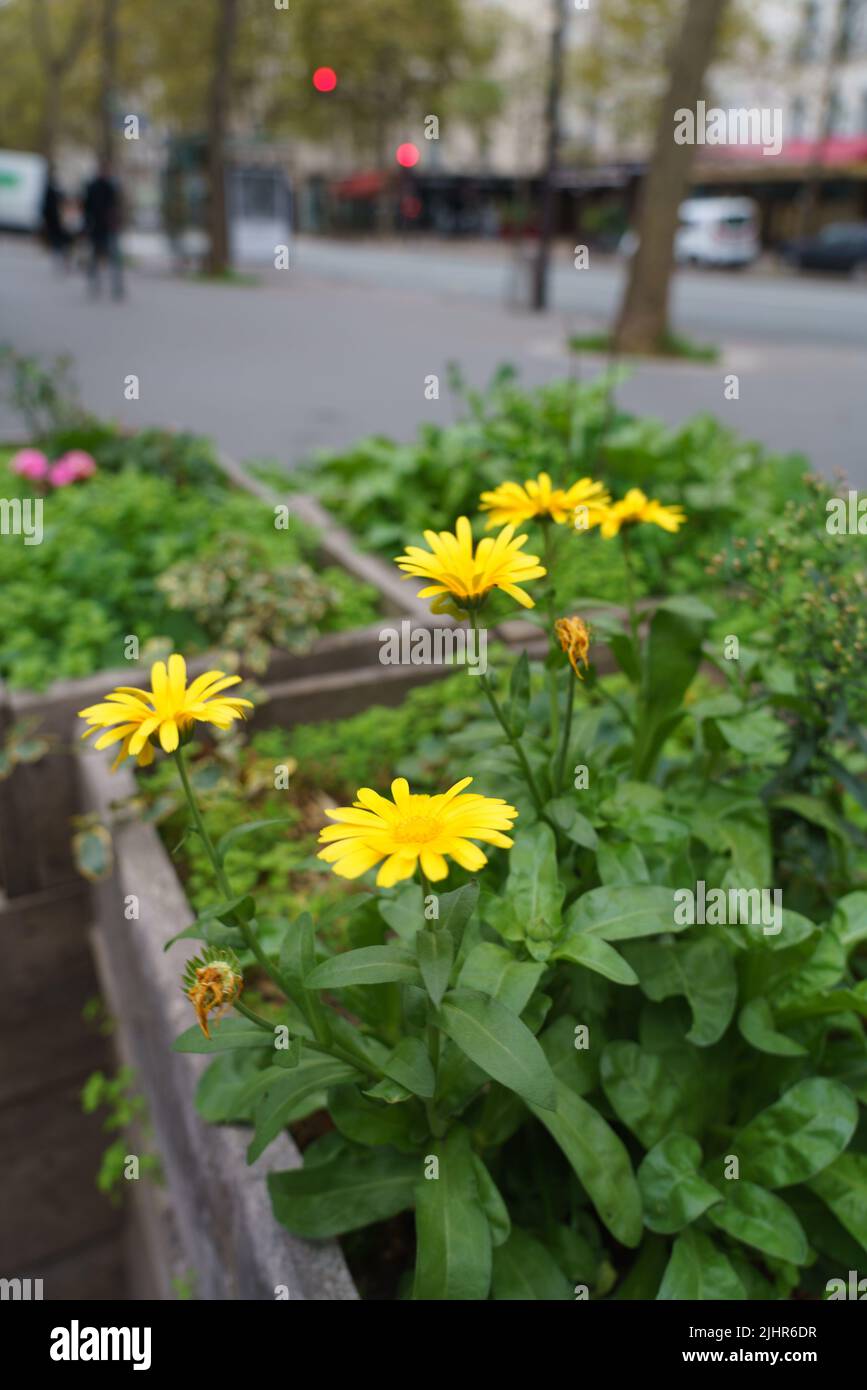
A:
[404,913]
[93,853]
[595,954]
[699,1271]
[756,1023]
[672,1188]
[575,827]
[644,1278]
[231,1087]
[493,970]
[227,1033]
[456,908]
[621,865]
[289,1098]
[370,965]
[619,913]
[210,930]
[843,1187]
[758,735]
[389,1091]
[523,1270]
[435,948]
[530,905]
[453,1237]
[519,695]
[498,1042]
[578,1067]
[238,832]
[671,658]
[799,1135]
[849,922]
[599,1159]
[653,1093]
[345,906]
[410,1066]
[757,1217]
[814,810]
[352,1191]
[702,970]
[494,1207]
[369,1123]
[298,952]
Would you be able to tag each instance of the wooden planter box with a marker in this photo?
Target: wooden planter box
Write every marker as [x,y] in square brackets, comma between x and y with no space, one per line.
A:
[38,800]
[229,1239]
[222,1213]
[223,1226]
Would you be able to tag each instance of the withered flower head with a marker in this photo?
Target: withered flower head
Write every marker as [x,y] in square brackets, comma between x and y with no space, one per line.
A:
[573,635]
[212,981]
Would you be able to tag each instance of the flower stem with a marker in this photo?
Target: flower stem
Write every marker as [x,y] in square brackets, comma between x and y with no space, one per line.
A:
[551,675]
[513,740]
[630,586]
[200,826]
[259,1021]
[246,928]
[567,733]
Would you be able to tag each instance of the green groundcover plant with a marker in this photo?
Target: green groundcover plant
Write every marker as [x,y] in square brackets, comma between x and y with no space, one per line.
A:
[620,1053]
[162,548]
[388,493]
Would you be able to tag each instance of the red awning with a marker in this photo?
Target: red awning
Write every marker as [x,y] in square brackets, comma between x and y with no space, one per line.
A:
[360,186]
[838,150]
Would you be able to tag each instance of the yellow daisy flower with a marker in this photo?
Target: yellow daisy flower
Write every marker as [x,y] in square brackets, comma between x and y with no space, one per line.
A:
[636,507]
[398,834]
[573,635]
[134,717]
[463,576]
[538,498]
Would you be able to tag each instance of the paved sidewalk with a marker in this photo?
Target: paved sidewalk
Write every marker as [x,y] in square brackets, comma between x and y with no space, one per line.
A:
[312,359]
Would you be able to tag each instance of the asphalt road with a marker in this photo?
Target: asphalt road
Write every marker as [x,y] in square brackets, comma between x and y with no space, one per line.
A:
[340,345]
[748,307]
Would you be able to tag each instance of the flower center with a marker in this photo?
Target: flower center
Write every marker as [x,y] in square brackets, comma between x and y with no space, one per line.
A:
[417,829]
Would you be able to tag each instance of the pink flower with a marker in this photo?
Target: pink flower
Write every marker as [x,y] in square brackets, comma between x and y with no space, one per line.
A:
[62,473]
[78,464]
[30,463]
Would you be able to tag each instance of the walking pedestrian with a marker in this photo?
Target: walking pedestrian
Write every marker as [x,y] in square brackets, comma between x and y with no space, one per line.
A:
[103,218]
[56,236]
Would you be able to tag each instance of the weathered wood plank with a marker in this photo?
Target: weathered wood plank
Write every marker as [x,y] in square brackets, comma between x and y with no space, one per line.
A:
[224,1218]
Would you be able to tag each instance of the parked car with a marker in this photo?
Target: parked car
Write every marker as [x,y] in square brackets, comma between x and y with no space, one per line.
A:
[712,232]
[841,247]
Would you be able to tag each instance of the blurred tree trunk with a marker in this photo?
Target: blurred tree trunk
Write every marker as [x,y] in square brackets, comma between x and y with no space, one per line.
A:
[56,63]
[642,325]
[218,124]
[812,190]
[548,191]
[107,78]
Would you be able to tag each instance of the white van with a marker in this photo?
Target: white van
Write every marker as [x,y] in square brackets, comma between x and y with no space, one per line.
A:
[712,232]
[22,186]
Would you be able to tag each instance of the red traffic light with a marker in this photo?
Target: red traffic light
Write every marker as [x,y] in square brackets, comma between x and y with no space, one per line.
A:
[325,79]
[407,155]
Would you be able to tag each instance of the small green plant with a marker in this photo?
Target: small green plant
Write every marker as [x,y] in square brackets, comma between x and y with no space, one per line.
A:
[127,1112]
[673,345]
[44,394]
[254,605]
[94,579]
[24,742]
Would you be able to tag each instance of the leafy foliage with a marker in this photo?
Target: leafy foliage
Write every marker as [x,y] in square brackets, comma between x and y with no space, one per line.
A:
[93,579]
[388,493]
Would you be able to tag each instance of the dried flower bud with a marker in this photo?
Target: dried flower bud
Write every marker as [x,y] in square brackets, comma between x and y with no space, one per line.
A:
[573,635]
[212,981]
